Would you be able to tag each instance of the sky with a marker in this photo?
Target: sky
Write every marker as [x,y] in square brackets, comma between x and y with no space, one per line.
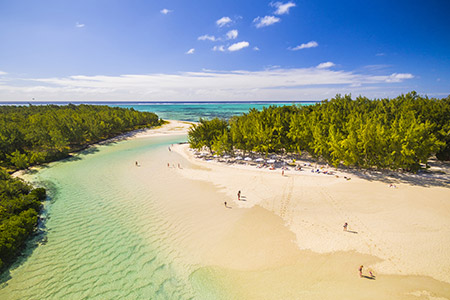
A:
[208,50]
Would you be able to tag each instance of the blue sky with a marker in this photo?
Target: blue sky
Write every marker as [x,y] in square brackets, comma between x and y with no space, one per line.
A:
[175,50]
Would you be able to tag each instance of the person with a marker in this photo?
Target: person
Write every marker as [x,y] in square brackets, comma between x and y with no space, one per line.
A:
[225,203]
[360,270]
[282,172]
[345,226]
[136,163]
[239,195]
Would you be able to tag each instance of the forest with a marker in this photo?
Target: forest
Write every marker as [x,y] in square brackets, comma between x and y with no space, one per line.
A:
[32,135]
[397,134]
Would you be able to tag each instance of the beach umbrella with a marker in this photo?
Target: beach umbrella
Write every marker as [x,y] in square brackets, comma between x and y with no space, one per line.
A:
[248,159]
[239,157]
[259,159]
[271,161]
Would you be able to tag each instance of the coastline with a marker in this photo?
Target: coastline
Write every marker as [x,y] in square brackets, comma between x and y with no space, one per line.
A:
[285,241]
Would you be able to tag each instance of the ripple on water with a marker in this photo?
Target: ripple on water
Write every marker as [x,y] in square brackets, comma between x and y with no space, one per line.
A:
[96,245]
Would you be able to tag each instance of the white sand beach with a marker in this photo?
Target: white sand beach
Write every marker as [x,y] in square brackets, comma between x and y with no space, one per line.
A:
[292,225]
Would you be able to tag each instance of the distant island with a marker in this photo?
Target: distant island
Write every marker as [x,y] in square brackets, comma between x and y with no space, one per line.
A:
[396,134]
[32,135]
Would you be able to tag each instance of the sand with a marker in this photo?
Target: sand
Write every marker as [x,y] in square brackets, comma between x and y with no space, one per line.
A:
[286,240]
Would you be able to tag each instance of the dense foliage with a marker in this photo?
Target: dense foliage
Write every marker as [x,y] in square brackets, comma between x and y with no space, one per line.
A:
[399,133]
[32,135]
[19,206]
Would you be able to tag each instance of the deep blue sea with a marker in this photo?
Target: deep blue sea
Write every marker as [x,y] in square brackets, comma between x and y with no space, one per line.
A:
[193,111]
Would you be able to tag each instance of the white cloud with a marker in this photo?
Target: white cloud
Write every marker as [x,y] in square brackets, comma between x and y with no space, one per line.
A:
[165,11]
[325,65]
[223,21]
[79,25]
[282,8]
[399,77]
[190,51]
[311,44]
[219,48]
[232,34]
[207,37]
[3,73]
[270,84]
[266,21]
[238,46]
[256,48]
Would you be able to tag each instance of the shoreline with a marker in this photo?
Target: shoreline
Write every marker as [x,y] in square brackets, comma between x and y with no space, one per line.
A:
[172,127]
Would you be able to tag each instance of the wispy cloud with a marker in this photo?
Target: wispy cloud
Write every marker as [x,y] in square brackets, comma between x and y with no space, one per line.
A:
[282,8]
[165,11]
[275,83]
[79,25]
[3,73]
[190,51]
[325,65]
[380,54]
[220,48]
[265,21]
[232,34]
[223,21]
[311,44]
[207,37]
[256,48]
[238,46]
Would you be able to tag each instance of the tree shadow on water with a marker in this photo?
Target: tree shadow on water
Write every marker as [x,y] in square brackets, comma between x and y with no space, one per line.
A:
[38,239]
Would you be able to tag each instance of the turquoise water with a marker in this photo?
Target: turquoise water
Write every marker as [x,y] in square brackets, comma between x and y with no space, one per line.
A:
[193,111]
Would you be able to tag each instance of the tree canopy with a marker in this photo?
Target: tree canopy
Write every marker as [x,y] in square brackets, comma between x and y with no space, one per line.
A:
[400,133]
[31,135]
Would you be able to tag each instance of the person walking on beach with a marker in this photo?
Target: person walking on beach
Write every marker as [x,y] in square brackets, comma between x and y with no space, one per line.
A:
[360,270]
[239,195]
[345,226]
[225,203]
[136,164]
